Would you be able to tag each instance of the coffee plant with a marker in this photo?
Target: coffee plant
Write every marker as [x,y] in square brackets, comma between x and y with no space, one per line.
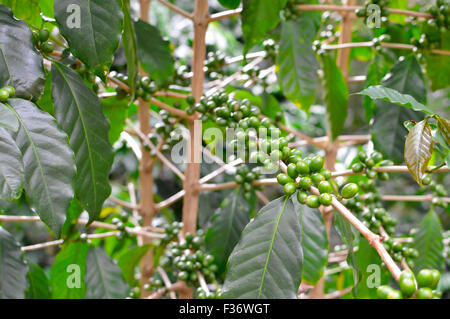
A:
[224,149]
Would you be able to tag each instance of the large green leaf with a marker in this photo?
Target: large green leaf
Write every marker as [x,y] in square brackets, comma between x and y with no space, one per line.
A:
[428,241]
[39,286]
[13,270]
[393,96]
[336,96]
[130,47]
[296,60]
[97,36]
[11,168]
[68,271]
[314,242]
[267,261]
[349,236]
[7,119]
[438,65]
[48,161]
[20,64]
[418,149]
[258,18]
[375,72]
[226,227]
[79,113]
[103,277]
[369,262]
[154,52]
[232,4]
[406,77]
[116,111]
[130,260]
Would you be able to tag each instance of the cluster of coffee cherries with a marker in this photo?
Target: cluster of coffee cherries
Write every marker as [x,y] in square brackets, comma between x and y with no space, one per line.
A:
[120,222]
[270,47]
[367,162]
[87,75]
[41,40]
[181,76]
[437,189]
[422,286]
[215,63]
[145,86]
[244,177]
[291,11]
[366,12]
[166,130]
[441,13]
[225,111]
[6,93]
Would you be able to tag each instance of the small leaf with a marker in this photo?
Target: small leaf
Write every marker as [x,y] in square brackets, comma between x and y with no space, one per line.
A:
[7,119]
[39,287]
[13,270]
[79,113]
[26,10]
[20,64]
[11,168]
[418,149]
[393,96]
[336,96]
[258,18]
[68,271]
[130,260]
[103,277]
[267,261]
[226,227]
[154,52]
[314,242]
[130,47]
[48,162]
[92,28]
[231,4]
[428,241]
[296,61]
[116,111]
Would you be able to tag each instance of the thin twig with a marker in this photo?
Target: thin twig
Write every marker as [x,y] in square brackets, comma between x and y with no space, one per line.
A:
[167,282]
[173,7]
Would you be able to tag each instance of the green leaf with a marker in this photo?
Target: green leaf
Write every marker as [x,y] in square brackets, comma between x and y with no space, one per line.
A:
[45,103]
[97,36]
[314,242]
[419,149]
[349,236]
[11,168]
[398,4]
[20,63]
[444,128]
[68,271]
[130,260]
[154,52]
[270,106]
[47,7]
[428,241]
[130,47]
[437,66]
[376,71]
[27,10]
[48,161]
[79,113]
[116,111]
[13,270]
[393,96]
[366,258]
[226,227]
[7,119]
[267,261]
[259,17]
[103,277]
[231,4]
[39,286]
[336,96]
[406,77]
[296,61]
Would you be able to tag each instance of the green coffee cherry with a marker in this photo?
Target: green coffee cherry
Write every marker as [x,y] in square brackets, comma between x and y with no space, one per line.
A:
[325,187]
[349,190]
[317,178]
[283,179]
[44,35]
[357,168]
[316,163]
[425,278]
[313,201]
[302,168]
[292,170]
[407,286]
[325,199]
[424,293]
[383,292]
[4,95]
[305,183]
[301,197]
[290,188]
